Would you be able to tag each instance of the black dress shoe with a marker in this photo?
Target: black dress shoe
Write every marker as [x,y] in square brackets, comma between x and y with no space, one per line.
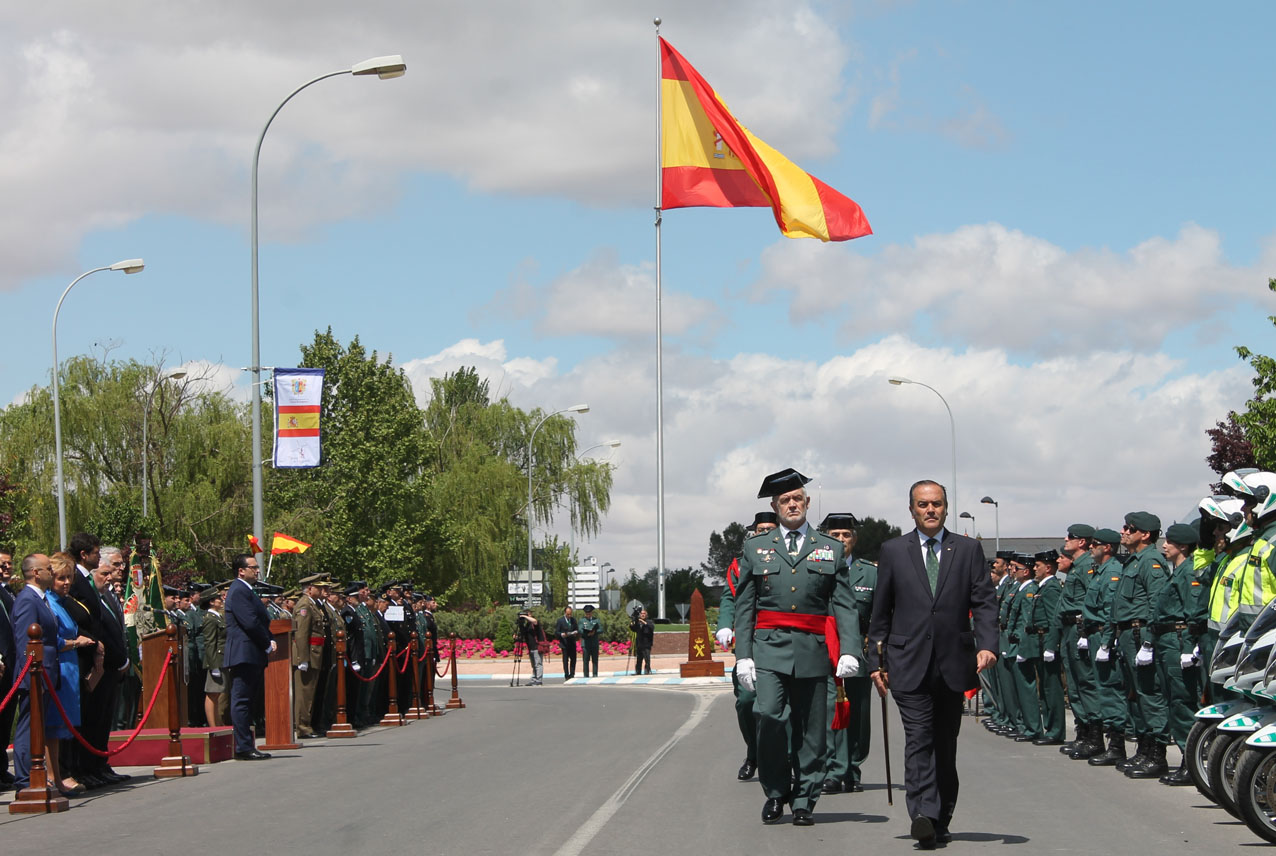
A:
[1047,741]
[943,836]
[831,786]
[772,811]
[6,779]
[91,782]
[923,832]
[1024,738]
[254,755]
[117,776]
[802,817]
[747,769]
[855,788]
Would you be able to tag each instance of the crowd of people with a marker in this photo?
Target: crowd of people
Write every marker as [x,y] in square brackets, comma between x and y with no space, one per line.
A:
[1118,626]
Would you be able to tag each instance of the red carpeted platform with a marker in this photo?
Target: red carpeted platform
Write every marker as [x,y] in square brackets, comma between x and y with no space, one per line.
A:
[201,745]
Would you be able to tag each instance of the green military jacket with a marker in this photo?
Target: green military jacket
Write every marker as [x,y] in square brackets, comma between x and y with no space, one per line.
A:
[1007,590]
[212,634]
[194,619]
[589,629]
[1139,586]
[814,581]
[309,626]
[1098,595]
[1044,613]
[863,579]
[1022,643]
[373,641]
[1075,586]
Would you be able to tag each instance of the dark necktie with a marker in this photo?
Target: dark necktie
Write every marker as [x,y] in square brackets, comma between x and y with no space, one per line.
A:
[793,542]
[932,563]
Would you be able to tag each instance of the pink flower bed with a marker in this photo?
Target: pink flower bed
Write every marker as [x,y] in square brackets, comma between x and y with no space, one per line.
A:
[478,649]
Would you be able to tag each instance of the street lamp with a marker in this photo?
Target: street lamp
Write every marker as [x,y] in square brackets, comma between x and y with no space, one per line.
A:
[177,375]
[896,381]
[531,452]
[384,67]
[613,444]
[988,500]
[966,515]
[128,266]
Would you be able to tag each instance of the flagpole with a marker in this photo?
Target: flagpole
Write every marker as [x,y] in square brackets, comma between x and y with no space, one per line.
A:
[270,563]
[660,391]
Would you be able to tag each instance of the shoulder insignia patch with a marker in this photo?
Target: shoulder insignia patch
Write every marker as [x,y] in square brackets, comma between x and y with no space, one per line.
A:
[302,611]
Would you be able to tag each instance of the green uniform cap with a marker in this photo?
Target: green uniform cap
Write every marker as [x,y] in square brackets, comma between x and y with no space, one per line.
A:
[1144,521]
[1080,530]
[1107,536]
[1183,534]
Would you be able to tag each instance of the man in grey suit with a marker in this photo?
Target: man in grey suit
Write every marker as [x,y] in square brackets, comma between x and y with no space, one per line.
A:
[935,616]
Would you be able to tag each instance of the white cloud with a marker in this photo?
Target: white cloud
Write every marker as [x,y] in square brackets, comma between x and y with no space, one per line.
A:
[119,110]
[1074,437]
[995,285]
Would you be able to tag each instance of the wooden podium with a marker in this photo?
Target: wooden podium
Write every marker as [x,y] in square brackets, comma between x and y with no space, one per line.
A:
[700,662]
[154,650]
[279,721]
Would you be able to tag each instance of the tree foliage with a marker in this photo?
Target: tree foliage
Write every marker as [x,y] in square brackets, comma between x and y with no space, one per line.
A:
[724,547]
[1248,438]
[871,535]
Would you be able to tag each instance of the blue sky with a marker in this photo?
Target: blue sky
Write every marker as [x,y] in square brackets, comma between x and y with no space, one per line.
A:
[1072,215]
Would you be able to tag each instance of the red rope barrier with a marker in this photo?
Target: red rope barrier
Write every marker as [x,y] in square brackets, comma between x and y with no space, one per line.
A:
[117,750]
[404,655]
[447,665]
[17,682]
[378,673]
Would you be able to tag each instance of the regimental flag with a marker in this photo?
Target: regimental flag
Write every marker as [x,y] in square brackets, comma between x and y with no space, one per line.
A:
[287,544]
[298,394]
[709,159]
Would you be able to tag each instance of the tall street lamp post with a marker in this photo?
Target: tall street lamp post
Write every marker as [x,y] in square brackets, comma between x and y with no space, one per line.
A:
[128,266]
[531,452]
[996,510]
[896,381]
[966,515]
[384,67]
[146,469]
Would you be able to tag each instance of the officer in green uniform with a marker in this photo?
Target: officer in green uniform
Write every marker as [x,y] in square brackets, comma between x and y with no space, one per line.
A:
[998,720]
[848,746]
[1017,573]
[1096,643]
[1079,670]
[763,521]
[590,632]
[309,623]
[1175,640]
[1025,648]
[1141,582]
[367,657]
[212,630]
[1043,623]
[792,580]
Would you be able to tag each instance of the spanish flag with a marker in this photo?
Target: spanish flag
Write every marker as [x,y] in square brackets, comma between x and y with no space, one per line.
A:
[287,544]
[708,159]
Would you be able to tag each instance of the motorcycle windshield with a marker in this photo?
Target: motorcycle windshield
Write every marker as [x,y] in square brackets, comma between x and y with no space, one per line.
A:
[1264,623]
[1250,668]
[1226,656]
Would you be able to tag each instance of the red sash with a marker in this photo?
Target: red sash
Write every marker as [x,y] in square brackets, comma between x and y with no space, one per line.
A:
[770,619]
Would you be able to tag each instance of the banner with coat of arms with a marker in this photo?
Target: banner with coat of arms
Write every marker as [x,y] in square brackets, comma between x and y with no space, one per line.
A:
[298,394]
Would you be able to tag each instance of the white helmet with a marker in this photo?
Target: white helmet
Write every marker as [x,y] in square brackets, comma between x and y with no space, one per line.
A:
[1262,486]
[1235,480]
[1229,509]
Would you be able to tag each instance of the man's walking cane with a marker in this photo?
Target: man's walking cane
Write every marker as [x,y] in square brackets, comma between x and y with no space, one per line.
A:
[886,737]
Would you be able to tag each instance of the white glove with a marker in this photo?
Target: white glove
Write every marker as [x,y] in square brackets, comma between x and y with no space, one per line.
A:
[303,667]
[217,673]
[1048,656]
[1144,657]
[725,635]
[1083,643]
[746,673]
[270,649]
[847,666]
[1186,661]
[1196,653]
[1102,656]
[1020,659]
[356,667]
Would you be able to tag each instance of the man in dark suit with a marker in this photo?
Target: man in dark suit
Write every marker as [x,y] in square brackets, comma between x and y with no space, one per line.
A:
[97,707]
[30,607]
[248,642]
[931,586]
[8,658]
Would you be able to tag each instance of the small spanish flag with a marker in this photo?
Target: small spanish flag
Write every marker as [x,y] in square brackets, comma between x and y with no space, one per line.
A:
[287,544]
[709,159]
[252,542]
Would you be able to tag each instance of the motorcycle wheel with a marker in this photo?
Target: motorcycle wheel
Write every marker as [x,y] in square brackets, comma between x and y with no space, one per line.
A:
[1256,791]
[1197,753]
[1222,770]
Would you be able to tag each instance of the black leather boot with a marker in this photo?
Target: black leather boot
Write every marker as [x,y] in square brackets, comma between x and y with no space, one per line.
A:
[1093,744]
[1153,765]
[1140,754]
[1178,778]
[1082,731]
[1115,753]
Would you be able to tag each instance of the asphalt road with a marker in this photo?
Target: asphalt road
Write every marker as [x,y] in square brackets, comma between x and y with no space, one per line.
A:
[605,770]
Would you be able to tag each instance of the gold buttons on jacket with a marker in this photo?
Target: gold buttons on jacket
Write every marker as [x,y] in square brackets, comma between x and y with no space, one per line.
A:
[795,570]
[792,588]
[794,607]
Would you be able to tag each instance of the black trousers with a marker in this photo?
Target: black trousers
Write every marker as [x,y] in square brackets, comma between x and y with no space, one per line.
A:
[247,686]
[569,658]
[591,655]
[642,655]
[97,715]
[6,718]
[932,720]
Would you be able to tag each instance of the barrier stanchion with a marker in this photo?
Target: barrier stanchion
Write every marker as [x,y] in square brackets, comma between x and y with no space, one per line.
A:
[37,797]
[431,671]
[392,715]
[342,727]
[176,763]
[454,703]
[418,710]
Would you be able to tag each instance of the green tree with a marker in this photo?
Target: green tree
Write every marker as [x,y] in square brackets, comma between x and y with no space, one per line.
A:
[1258,419]
[871,535]
[723,549]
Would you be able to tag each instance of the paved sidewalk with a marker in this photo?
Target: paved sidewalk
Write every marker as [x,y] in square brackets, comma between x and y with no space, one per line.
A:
[611,670]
